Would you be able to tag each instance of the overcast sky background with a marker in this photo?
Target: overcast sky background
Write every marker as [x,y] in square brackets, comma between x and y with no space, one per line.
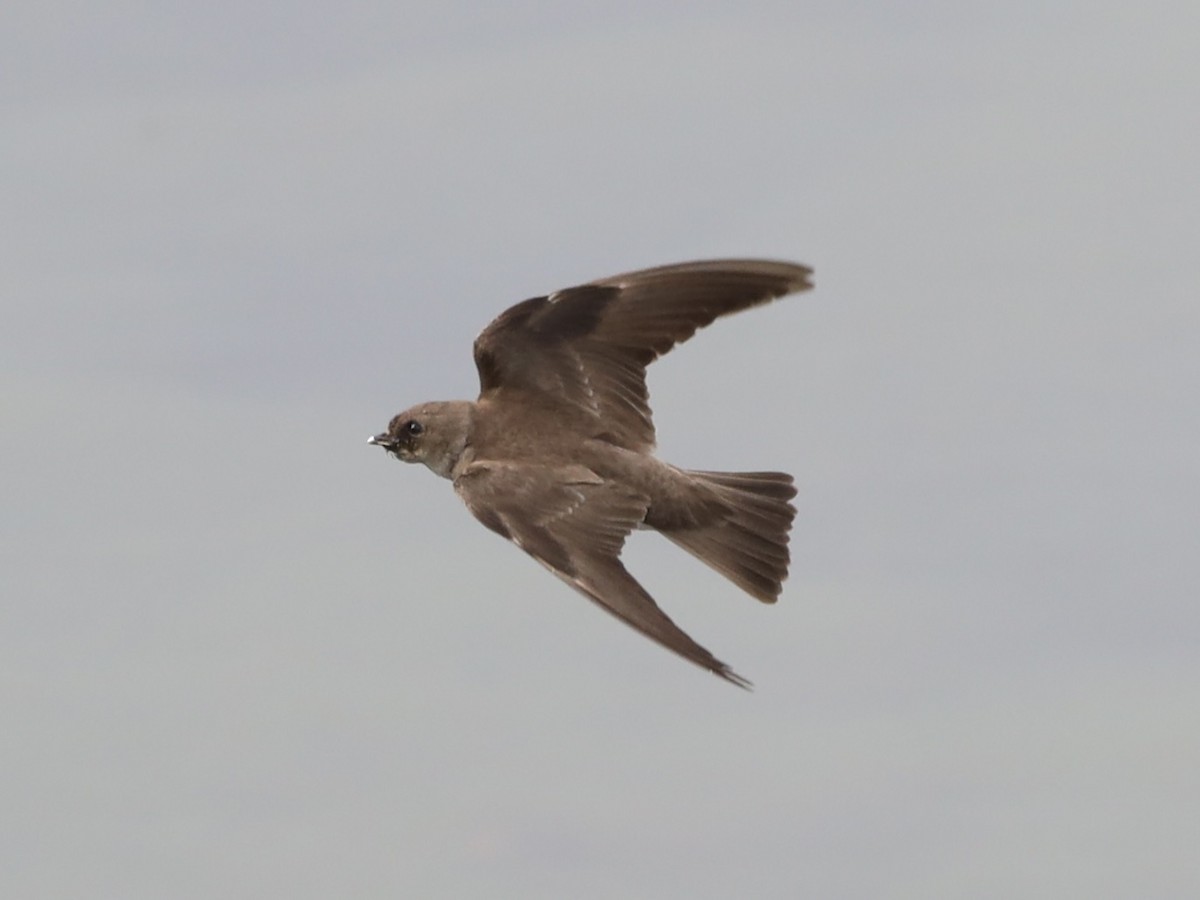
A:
[243,654]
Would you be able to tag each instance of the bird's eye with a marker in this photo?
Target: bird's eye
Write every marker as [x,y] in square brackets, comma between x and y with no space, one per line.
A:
[412,427]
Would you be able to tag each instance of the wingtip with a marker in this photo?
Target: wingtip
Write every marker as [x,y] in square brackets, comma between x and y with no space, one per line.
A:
[733,677]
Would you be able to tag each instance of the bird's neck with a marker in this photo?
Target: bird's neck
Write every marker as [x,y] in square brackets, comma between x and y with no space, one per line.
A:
[456,426]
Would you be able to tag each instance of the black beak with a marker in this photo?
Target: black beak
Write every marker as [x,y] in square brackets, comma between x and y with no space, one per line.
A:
[383,440]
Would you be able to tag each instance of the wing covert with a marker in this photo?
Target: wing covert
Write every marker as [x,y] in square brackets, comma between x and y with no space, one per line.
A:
[575,524]
[588,347]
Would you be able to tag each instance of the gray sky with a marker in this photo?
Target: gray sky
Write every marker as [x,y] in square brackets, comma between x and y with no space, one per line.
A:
[243,654]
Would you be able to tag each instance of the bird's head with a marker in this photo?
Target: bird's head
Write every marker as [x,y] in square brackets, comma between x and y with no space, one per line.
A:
[435,434]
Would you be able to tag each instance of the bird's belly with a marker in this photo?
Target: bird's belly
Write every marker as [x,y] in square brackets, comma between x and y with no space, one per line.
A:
[677,500]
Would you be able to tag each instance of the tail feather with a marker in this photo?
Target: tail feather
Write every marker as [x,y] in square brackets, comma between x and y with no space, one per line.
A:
[749,544]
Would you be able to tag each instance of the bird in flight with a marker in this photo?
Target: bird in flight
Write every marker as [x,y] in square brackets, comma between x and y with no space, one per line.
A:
[556,455]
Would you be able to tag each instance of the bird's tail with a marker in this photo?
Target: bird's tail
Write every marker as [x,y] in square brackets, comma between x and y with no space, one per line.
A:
[749,544]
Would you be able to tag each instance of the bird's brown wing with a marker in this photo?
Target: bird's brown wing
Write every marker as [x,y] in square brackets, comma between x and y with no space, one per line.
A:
[575,523]
[587,347]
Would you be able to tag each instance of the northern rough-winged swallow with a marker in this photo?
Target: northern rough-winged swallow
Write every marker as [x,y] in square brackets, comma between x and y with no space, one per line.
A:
[557,453]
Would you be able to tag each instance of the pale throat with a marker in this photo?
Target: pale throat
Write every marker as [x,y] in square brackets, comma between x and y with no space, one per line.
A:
[450,464]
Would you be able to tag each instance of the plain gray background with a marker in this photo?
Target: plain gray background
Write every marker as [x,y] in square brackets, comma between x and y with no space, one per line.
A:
[243,654]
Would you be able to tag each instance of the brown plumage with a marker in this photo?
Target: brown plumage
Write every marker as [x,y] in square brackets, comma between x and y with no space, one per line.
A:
[556,454]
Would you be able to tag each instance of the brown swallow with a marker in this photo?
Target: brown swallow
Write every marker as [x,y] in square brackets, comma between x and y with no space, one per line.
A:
[557,453]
